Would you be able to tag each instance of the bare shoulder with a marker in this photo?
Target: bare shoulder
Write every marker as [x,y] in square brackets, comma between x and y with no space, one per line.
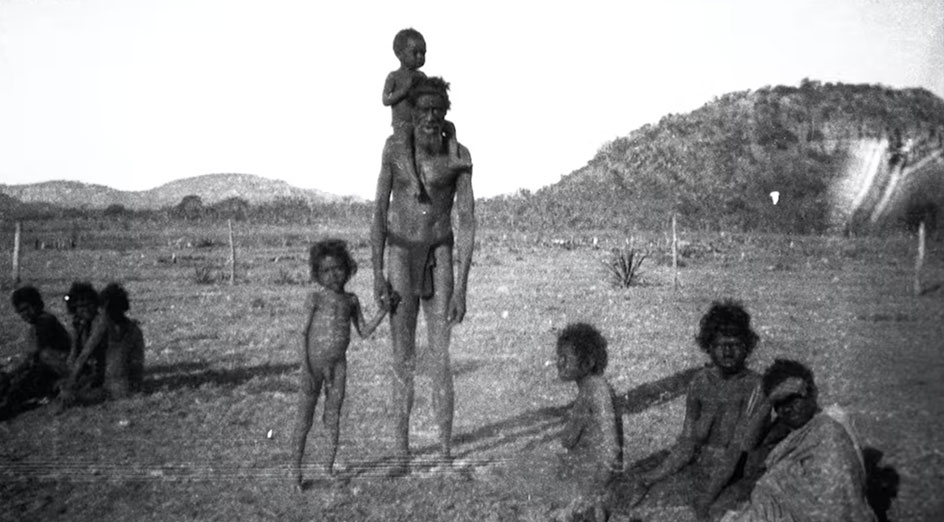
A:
[701,381]
[599,388]
[391,148]
[464,151]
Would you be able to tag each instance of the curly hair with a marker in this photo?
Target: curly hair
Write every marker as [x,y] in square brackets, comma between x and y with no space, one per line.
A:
[727,317]
[80,291]
[589,346]
[783,369]
[336,248]
[403,36]
[433,85]
[115,300]
[27,294]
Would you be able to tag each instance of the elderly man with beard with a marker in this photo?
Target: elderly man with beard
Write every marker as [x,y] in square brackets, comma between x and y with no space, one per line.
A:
[415,231]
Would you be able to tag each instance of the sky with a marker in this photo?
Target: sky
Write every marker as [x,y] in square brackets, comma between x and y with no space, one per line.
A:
[135,93]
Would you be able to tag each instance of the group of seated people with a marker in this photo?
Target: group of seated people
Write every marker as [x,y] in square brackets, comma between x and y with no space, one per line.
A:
[102,358]
[752,447]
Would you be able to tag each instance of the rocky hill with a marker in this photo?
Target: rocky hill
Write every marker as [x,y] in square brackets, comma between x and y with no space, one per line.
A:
[211,188]
[718,166]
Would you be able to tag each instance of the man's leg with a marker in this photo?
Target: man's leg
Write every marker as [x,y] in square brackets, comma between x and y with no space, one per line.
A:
[403,334]
[435,309]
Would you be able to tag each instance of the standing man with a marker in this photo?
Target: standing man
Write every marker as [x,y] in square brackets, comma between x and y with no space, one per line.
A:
[416,233]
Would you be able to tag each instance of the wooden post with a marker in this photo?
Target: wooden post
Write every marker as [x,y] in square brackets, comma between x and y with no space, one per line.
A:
[16,254]
[232,254]
[919,259]
[675,278]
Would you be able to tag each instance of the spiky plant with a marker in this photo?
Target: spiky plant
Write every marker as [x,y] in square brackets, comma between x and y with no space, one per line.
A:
[623,266]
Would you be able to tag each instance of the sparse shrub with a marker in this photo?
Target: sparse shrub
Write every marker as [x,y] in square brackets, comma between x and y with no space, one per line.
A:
[204,275]
[204,242]
[623,266]
[286,277]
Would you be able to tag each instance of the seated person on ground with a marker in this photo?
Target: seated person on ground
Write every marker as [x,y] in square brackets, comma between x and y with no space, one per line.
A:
[38,374]
[593,435]
[122,342]
[816,473]
[725,415]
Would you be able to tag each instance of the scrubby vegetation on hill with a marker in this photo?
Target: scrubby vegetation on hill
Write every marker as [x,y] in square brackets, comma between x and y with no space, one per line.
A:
[715,167]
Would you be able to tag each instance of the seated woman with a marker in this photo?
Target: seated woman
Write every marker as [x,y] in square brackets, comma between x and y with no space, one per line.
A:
[725,416]
[816,473]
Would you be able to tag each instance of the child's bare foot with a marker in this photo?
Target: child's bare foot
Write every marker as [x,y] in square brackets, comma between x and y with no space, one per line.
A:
[400,467]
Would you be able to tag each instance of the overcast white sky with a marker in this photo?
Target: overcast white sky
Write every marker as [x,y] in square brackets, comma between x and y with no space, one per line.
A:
[135,93]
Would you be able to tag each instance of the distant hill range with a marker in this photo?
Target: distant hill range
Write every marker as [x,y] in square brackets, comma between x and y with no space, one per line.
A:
[781,159]
[803,159]
[211,188]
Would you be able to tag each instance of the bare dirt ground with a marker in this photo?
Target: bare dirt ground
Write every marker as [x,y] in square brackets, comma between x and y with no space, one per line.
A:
[222,373]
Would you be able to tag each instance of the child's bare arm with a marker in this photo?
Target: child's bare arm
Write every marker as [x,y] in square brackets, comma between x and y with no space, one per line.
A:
[395,91]
[311,306]
[576,423]
[605,415]
[99,329]
[365,329]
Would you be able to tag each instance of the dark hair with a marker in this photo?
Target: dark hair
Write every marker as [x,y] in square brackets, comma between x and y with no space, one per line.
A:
[403,36]
[589,346]
[115,300]
[783,369]
[727,317]
[27,294]
[434,85]
[333,248]
[80,291]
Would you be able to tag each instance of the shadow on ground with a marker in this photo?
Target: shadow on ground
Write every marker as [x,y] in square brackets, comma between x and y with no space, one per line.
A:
[528,430]
[881,486]
[194,375]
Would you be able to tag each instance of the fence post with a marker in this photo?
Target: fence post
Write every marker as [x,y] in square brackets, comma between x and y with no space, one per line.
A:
[16,254]
[675,274]
[919,259]
[232,254]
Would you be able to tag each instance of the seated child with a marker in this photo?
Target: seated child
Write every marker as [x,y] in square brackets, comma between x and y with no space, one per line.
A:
[82,304]
[593,435]
[123,346]
[725,414]
[329,311]
[36,376]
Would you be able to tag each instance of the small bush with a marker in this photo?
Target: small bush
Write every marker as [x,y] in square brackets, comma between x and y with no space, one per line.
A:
[204,275]
[204,242]
[623,266]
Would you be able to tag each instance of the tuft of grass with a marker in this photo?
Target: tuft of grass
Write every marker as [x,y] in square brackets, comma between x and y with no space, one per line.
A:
[286,277]
[623,266]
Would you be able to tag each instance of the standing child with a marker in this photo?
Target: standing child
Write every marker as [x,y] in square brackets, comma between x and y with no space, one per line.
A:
[593,435]
[725,417]
[330,310]
[410,48]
